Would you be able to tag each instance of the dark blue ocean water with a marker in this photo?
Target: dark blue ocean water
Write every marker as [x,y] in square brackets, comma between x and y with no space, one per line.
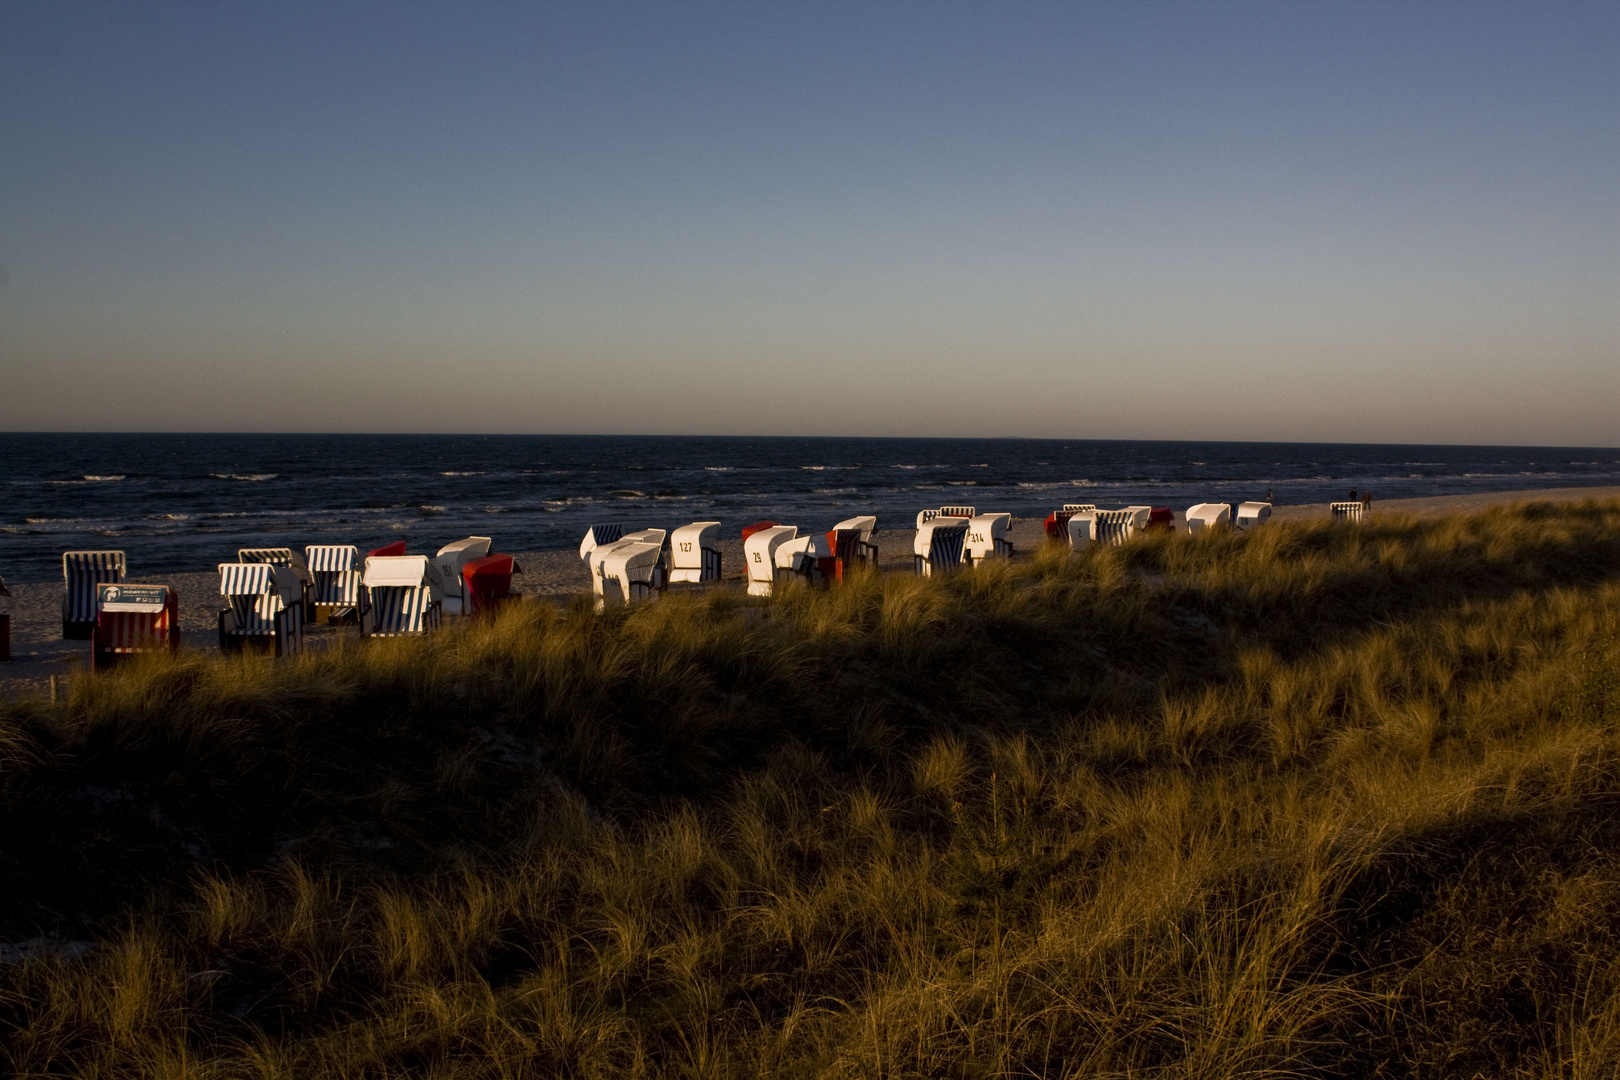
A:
[185,502]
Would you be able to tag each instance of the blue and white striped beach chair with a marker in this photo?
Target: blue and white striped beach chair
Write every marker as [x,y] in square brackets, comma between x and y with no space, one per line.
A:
[1110,528]
[291,560]
[600,536]
[82,571]
[403,594]
[939,545]
[265,608]
[335,569]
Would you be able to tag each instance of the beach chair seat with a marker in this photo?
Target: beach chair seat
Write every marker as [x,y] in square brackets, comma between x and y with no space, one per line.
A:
[335,571]
[632,572]
[597,556]
[447,564]
[488,582]
[1345,511]
[987,538]
[864,549]
[264,608]
[133,619]
[1203,516]
[82,572]
[404,596]
[694,553]
[938,546]
[291,560]
[600,536]
[759,555]
[1056,525]
[1250,514]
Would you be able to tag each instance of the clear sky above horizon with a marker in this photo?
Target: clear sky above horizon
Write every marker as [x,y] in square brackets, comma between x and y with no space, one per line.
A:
[1294,221]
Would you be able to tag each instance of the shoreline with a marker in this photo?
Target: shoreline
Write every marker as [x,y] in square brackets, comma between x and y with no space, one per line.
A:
[38,651]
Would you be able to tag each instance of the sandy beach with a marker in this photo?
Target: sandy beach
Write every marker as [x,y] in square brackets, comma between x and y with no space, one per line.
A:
[38,651]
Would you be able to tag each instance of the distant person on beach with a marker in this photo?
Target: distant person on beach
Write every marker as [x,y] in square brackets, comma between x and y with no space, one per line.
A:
[1366,501]
[1268,496]
[1353,495]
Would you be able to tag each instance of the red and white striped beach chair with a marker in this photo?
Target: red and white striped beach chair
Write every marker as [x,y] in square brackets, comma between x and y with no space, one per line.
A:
[264,608]
[133,619]
[82,571]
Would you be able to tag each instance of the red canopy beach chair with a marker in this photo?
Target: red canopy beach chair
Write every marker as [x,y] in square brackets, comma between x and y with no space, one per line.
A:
[133,619]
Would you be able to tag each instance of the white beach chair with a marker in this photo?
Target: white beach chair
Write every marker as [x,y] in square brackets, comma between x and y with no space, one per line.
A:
[799,558]
[264,607]
[694,552]
[1081,529]
[632,572]
[600,536]
[133,619]
[1250,514]
[863,527]
[82,571]
[938,546]
[291,560]
[1056,525]
[1346,511]
[1114,527]
[987,537]
[447,565]
[759,555]
[1202,516]
[335,569]
[403,595]
[597,556]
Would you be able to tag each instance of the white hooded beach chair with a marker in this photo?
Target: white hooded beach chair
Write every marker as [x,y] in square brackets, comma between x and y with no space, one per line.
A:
[800,558]
[600,536]
[264,608]
[596,560]
[1346,511]
[403,592]
[759,554]
[632,572]
[864,550]
[694,552]
[939,544]
[1111,528]
[447,564]
[1250,514]
[987,537]
[82,571]
[1081,529]
[335,569]
[1202,516]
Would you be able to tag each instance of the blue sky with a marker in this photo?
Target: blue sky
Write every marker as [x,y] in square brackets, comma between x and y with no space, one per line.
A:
[1354,222]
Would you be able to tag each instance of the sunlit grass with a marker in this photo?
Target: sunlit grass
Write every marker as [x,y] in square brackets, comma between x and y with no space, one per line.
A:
[1308,801]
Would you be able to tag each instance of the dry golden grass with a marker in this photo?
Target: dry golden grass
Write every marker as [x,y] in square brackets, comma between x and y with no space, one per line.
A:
[1306,802]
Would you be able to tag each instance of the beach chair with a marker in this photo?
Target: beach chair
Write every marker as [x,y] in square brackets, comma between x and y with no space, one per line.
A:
[1082,529]
[863,526]
[597,560]
[447,565]
[938,546]
[848,542]
[1202,516]
[694,553]
[133,619]
[1056,525]
[1250,514]
[803,557]
[759,555]
[82,571]
[1111,528]
[599,536]
[1160,519]
[388,551]
[925,516]
[1346,511]
[632,572]
[987,537]
[487,582]
[335,570]
[264,608]
[758,526]
[403,594]
[290,559]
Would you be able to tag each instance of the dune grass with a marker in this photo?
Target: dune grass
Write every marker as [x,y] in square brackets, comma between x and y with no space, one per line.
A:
[1311,801]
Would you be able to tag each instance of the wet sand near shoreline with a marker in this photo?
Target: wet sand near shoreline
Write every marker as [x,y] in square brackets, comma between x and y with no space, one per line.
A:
[38,651]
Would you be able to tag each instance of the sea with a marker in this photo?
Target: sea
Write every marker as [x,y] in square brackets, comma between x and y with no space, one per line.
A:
[185,502]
